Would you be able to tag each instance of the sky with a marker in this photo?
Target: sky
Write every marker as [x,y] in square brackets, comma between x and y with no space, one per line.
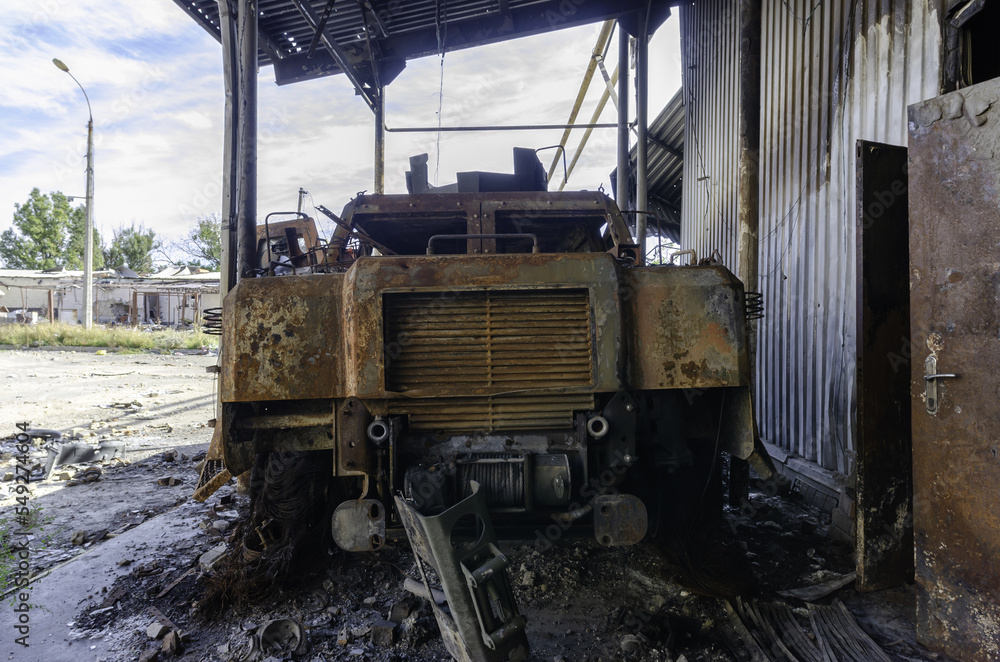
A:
[154,78]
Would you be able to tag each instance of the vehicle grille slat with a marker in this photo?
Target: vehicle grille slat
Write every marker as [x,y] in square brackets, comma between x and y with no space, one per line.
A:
[510,339]
[475,351]
[504,412]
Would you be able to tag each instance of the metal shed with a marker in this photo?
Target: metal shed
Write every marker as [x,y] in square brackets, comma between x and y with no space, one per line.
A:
[831,74]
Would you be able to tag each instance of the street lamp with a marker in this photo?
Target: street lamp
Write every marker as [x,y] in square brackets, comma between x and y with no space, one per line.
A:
[88,242]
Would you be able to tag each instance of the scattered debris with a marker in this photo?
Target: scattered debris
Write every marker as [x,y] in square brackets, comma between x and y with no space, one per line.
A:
[79,452]
[174,583]
[383,633]
[819,591]
[210,559]
[157,630]
[402,609]
[148,569]
[169,456]
[168,481]
[817,634]
[284,636]
[172,644]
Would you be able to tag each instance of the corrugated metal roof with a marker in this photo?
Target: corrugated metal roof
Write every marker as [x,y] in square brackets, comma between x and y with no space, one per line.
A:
[664,169]
[400,31]
[832,73]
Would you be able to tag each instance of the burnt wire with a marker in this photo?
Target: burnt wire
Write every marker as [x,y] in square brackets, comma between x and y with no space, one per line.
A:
[442,34]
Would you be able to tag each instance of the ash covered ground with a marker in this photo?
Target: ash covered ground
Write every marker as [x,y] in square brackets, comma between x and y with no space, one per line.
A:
[121,554]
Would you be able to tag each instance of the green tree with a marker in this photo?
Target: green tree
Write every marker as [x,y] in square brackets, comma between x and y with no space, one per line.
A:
[47,232]
[75,242]
[204,243]
[132,247]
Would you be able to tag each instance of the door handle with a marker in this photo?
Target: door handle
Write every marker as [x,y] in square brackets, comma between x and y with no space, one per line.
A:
[931,375]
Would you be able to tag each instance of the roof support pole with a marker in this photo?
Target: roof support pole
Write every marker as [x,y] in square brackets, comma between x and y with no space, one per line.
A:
[380,141]
[748,196]
[748,202]
[621,192]
[641,120]
[230,148]
[247,105]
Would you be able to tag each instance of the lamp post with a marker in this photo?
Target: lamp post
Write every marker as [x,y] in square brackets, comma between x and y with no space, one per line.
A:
[88,242]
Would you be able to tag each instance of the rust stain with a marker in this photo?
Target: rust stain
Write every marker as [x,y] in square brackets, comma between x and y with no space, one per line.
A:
[714,337]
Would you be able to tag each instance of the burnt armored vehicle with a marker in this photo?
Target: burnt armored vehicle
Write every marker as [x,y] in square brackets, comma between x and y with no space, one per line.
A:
[493,363]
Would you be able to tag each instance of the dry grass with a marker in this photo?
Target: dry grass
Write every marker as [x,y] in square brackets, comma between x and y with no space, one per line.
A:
[73,335]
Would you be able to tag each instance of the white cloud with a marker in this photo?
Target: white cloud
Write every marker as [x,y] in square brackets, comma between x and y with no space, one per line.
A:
[155,83]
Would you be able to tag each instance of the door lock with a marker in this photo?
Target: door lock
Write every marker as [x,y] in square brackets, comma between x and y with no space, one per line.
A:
[931,375]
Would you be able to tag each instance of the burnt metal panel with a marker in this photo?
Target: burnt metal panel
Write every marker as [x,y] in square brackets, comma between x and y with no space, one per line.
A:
[282,339]
[954,170]
[439,276]
[884,549]
[688,328]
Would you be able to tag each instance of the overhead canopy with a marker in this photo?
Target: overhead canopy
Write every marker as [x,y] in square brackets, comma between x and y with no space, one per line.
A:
[376,37]
[665,147]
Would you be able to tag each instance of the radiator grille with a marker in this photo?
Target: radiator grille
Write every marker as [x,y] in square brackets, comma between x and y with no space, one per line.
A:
[487,342]
[486,414]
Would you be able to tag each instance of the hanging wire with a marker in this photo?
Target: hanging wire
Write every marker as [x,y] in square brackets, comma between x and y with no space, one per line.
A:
[442,34]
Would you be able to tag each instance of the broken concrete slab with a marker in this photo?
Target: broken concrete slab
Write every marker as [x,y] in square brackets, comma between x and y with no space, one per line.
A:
[157,630]
[172,644]
[210,559]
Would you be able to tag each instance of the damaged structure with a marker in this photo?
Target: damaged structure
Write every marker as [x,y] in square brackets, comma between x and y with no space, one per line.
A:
[175,296]
[801,113]
[465,362]
[427,380]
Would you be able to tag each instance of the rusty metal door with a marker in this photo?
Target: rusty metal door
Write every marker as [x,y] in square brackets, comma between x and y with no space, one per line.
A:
[954,173]
[884,546]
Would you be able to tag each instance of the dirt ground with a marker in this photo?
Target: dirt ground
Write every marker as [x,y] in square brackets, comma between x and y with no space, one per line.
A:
[116,554]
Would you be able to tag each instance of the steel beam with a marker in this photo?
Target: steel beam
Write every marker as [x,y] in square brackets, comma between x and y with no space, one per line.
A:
[247,129]
[602,40]
[380,142]
[230,148]
[747,202]
[642,131]
[621,192]
[338,54]
[748,211]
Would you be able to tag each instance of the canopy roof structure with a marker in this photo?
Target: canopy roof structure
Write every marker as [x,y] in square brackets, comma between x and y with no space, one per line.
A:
[371,40]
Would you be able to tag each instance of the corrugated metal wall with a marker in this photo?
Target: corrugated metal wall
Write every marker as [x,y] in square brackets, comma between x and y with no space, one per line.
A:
[832,73]
[710,45]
